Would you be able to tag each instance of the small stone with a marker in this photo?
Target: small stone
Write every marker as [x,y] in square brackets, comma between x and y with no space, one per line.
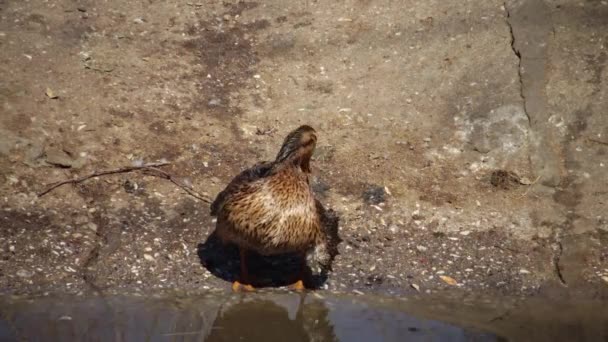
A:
[465,232]
[58,157]
[148,257]
[24,273]
[421,248]
[448,280]
[50,94]
[524,271]
[11,248]
[214,102]
[139,20]
[605,279]
[65,318]
[92,226]
[415,287]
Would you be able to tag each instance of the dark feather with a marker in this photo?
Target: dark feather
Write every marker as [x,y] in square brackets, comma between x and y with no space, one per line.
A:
[258,171]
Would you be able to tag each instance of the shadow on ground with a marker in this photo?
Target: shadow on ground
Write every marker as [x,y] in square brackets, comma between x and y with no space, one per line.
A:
[223,260]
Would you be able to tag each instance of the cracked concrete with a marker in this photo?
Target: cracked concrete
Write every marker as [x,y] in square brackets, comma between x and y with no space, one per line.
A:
[531,29]
[477,126]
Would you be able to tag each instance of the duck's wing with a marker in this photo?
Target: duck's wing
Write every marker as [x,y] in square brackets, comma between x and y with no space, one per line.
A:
[258,171]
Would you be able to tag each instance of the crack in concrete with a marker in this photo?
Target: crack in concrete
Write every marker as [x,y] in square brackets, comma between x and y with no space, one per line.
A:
[558,250]
[517,53]
[557,245]
[531,29]
[92,258]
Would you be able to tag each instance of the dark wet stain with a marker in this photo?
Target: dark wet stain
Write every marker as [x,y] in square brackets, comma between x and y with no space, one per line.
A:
[227,53]
[504,179]
[319,186]
[374,194]
[238,7]
[279,44]
[73,31]
[597,65]
[579,125]
[320,86]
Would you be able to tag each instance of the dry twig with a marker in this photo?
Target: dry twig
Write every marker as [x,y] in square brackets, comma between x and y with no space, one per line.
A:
[529,187]
[146,167]
[188,189]
[597,141]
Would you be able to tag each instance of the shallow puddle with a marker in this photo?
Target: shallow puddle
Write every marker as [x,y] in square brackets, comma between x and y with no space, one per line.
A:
[281,316]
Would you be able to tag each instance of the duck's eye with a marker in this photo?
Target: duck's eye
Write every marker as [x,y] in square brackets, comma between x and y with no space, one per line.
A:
[308,143]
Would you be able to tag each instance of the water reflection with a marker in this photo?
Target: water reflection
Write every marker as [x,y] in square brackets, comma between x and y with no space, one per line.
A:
[259,317]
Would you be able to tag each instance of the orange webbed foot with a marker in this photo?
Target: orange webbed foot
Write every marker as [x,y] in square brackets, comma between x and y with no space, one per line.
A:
[298,286]
[236,287]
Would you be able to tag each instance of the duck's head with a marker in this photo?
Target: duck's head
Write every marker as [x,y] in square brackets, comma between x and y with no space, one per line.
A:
[298,147]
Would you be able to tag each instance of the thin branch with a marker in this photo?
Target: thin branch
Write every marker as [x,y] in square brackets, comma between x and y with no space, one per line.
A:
[597,141]
[97,174]
[529,187]
[146,167]
[175,181]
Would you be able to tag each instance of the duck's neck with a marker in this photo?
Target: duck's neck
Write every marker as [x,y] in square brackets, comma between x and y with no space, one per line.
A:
[299,163]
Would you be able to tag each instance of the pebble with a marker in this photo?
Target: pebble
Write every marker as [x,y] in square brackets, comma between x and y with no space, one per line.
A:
[92,226]
[524,271]
[605,279]
[148,257]
[11,248]
[24,273]
[421,248]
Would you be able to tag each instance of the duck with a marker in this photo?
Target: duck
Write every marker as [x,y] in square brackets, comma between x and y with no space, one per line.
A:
[270,208]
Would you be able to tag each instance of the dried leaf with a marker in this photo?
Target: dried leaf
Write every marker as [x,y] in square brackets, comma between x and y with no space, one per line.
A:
[448,280]
[50,94]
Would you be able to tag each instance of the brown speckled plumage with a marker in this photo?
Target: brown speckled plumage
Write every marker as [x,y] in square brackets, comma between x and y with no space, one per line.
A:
[270,208]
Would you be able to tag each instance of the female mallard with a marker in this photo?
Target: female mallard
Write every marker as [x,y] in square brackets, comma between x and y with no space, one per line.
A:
[271,209]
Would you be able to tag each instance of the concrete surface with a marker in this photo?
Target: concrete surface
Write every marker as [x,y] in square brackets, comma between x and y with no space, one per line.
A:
[465,139]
